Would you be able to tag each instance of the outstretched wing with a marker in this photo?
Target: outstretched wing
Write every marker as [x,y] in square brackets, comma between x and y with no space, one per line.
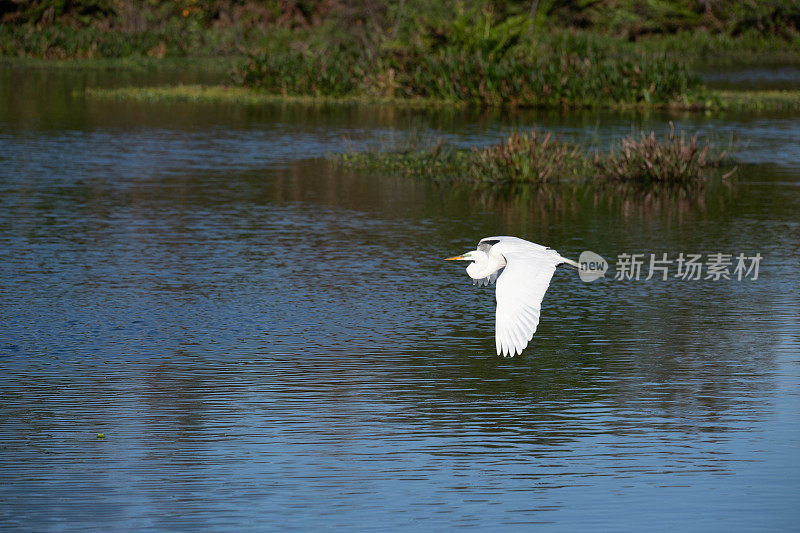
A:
[520,290]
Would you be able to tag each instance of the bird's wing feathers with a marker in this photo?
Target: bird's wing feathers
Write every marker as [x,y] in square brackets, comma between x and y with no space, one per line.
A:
[520,290]
[516,243]
[488,280]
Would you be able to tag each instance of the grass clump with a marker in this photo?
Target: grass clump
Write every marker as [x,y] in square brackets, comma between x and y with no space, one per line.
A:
[646,160]
[527,157]
[538,157]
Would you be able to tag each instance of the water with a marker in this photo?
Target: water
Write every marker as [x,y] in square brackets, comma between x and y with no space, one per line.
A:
[775,77]
[271,343]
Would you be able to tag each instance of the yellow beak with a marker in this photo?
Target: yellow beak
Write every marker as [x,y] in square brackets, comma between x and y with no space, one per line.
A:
[456,258]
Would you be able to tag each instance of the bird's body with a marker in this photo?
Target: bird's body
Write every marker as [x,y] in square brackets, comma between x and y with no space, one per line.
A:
[522,271]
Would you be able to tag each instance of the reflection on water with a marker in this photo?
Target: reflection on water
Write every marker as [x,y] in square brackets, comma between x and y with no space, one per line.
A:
[272,343]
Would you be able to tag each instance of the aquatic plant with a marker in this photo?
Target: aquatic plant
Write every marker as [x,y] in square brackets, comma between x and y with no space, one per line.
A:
[645,159]
[527,157]
[439,161]
[538,157]
[555,79]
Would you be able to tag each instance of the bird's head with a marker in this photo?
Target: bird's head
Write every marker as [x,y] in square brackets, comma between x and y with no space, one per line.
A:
[482,265]
[479,263]
[469,256]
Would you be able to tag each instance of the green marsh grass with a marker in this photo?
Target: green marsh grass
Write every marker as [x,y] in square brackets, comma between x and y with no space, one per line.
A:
[762,100]
[527,157]
[539,158]
[555,79]
[241,95]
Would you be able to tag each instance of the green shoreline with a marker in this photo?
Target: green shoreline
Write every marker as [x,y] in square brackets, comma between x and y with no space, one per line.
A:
[240,95]
[762,100]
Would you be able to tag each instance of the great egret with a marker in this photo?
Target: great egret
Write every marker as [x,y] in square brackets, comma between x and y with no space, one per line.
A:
[523,271]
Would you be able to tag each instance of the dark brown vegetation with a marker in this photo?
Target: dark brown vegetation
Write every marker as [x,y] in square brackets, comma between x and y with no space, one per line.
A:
[645,159]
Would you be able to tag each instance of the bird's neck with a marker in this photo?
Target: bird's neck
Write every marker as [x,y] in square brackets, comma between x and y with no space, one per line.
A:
[485,267]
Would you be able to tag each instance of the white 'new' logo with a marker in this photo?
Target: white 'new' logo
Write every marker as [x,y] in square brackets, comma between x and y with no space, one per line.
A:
[592,266]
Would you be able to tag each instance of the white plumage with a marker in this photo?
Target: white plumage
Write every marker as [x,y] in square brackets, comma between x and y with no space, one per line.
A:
[522,271]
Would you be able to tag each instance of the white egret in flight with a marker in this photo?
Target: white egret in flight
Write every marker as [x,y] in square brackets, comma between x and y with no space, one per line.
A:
[522,271]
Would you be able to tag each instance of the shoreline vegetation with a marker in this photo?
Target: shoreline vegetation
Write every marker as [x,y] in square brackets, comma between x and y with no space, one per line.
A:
[540,158]
[613,54]
[690,30]
[604,54]
[714,100]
